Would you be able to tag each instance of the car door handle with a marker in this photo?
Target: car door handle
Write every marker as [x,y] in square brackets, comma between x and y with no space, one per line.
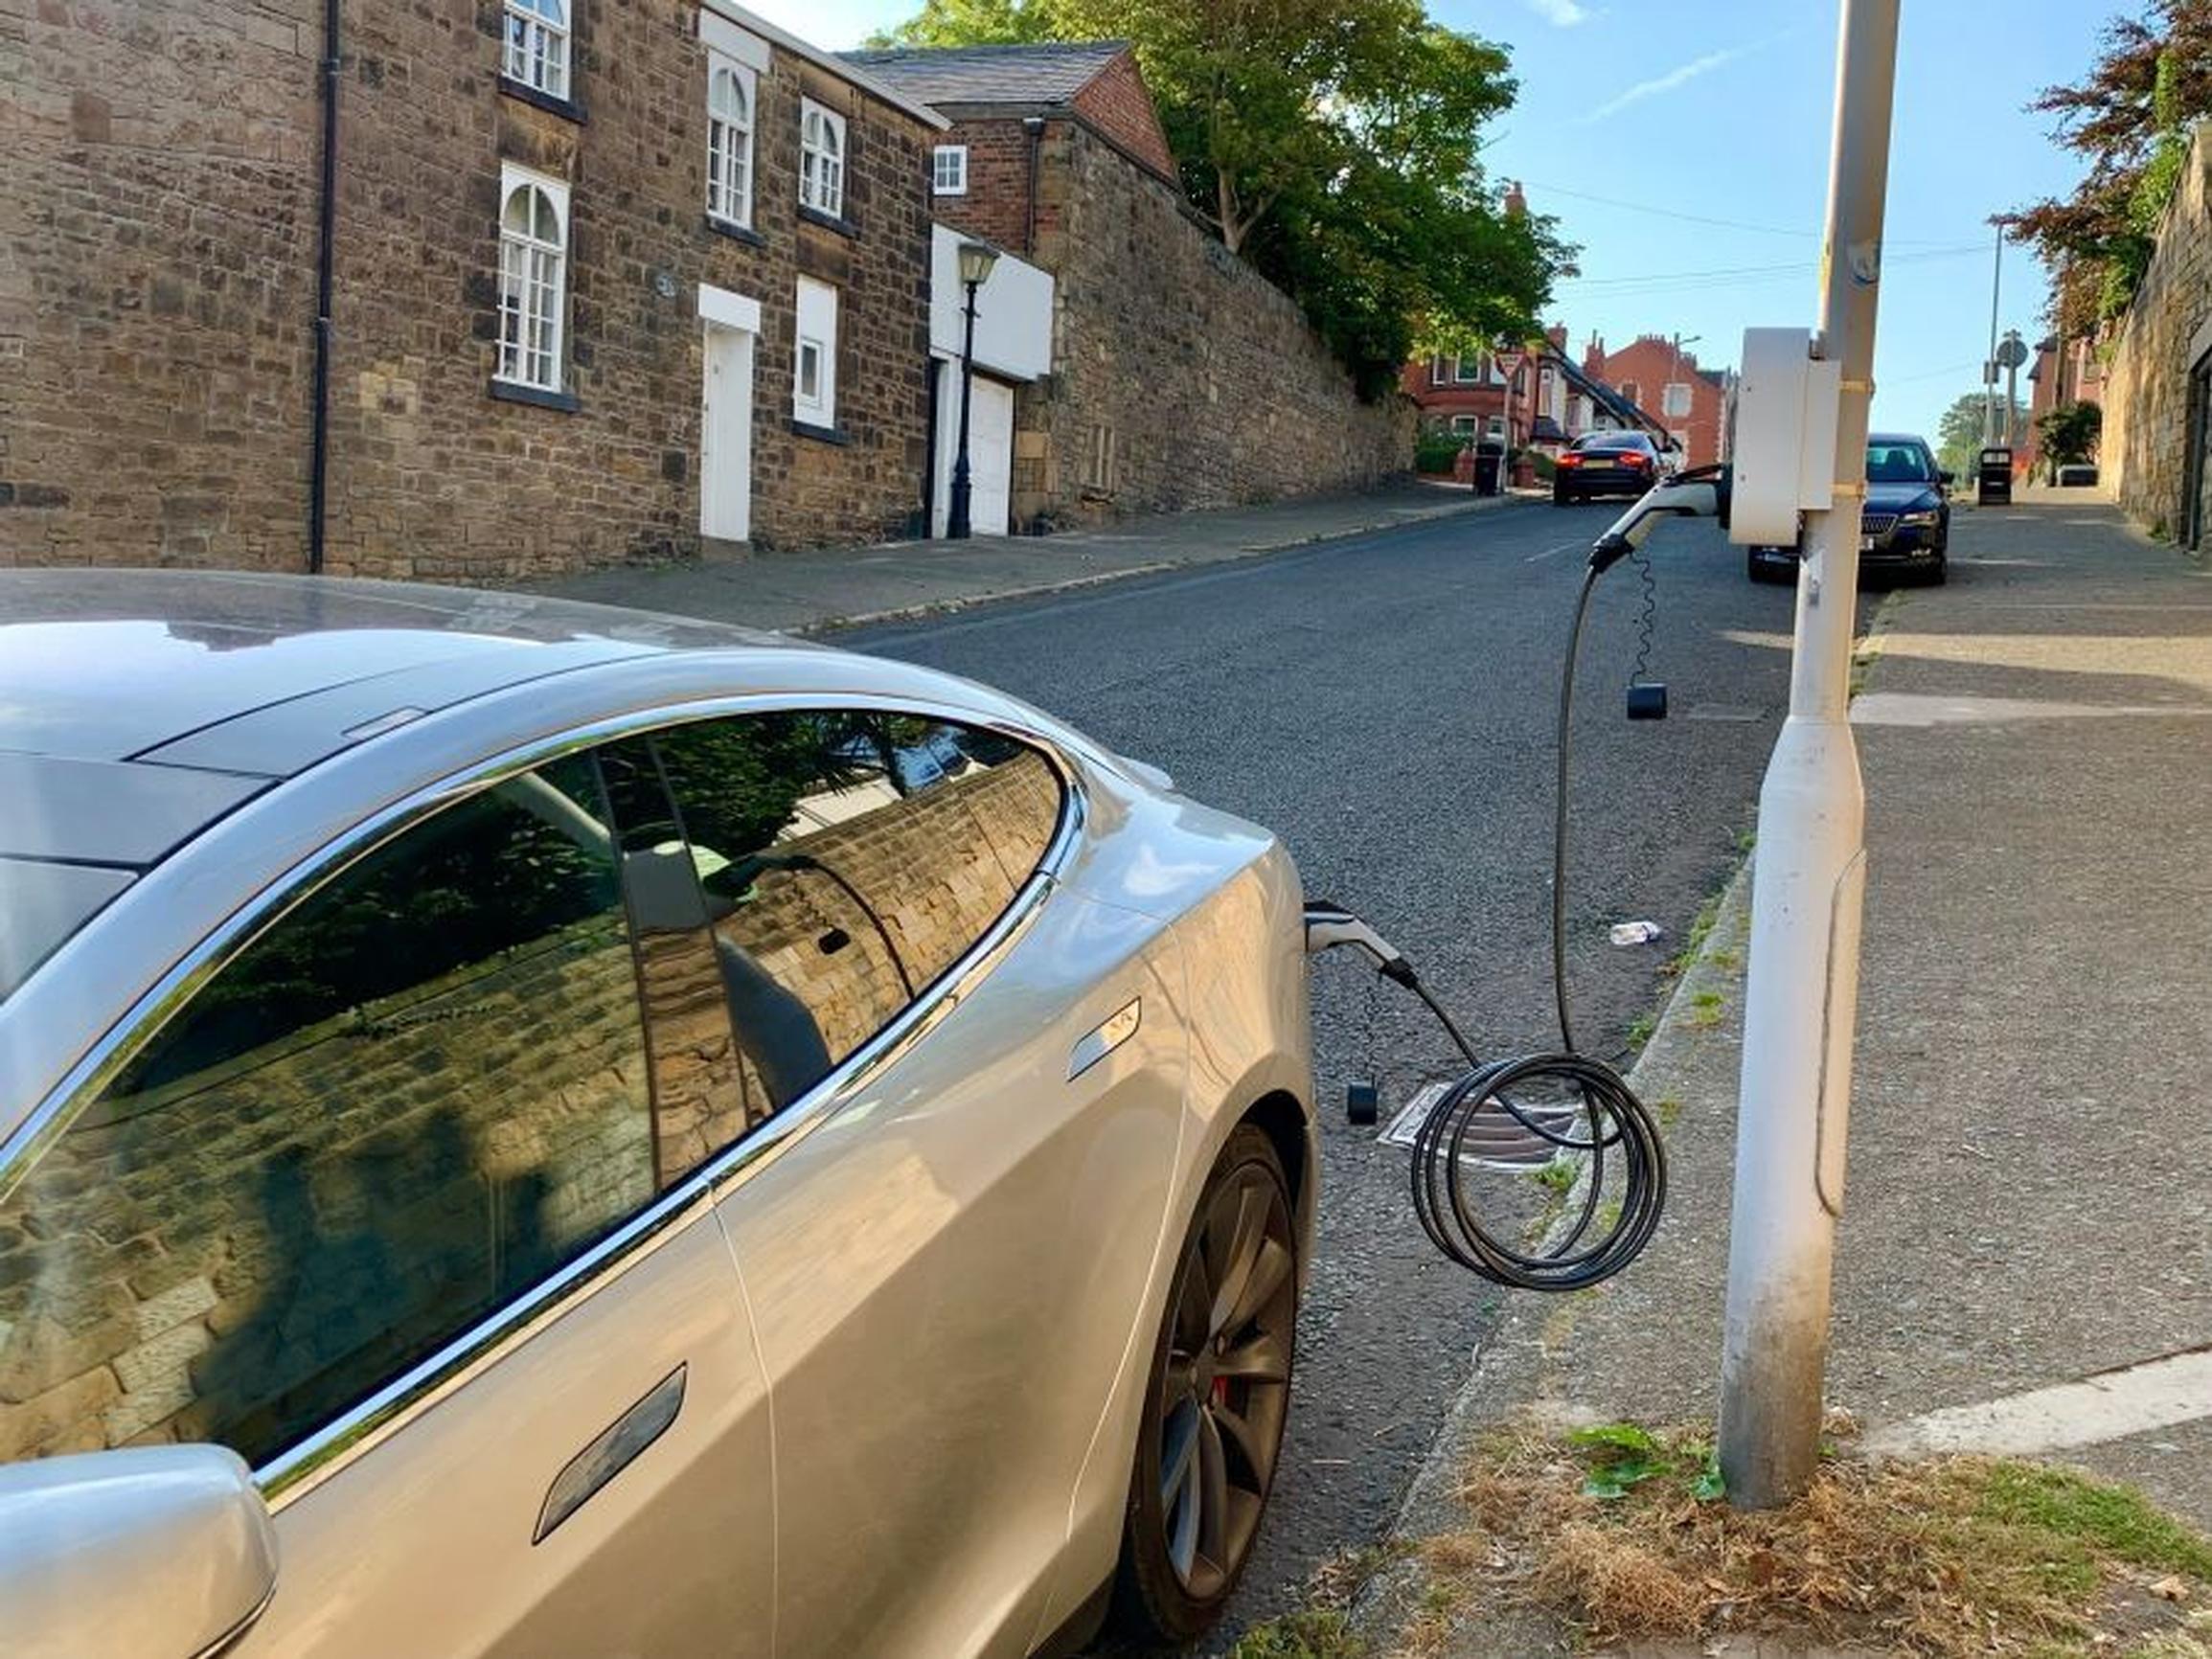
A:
[614,1450]
[1100,1041]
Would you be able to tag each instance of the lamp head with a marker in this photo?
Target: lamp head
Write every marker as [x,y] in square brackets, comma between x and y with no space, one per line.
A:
[975,262]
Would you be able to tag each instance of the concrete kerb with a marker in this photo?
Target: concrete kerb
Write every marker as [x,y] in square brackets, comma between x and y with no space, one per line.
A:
[1505,1381]
[1153,567]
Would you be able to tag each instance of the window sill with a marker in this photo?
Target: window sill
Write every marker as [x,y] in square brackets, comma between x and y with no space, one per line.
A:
[828,221]
[567,108]
[837,434]
[512,392]
[737,233]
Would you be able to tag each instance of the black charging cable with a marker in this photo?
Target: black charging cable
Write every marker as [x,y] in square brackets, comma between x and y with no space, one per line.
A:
[1623,1185]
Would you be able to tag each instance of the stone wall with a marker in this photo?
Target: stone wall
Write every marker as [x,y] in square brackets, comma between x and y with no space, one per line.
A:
[156,321]
[2166,331]
[156,292]
[1181,377]
[249,1247]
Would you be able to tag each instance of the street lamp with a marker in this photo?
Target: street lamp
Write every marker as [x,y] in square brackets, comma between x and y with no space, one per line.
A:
[975,262]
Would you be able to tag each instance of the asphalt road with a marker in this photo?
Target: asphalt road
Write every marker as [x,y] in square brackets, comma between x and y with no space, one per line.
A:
[1387,704]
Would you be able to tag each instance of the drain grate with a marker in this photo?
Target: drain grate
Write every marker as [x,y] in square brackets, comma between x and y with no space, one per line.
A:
[1496,1138]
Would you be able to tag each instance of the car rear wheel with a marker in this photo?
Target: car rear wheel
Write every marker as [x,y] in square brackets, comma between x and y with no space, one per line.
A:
[1216,1404]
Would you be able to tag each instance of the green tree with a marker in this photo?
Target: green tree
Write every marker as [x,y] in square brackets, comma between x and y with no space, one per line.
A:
[1331,143]
[2070,434]
[1958,433]
[2128,120]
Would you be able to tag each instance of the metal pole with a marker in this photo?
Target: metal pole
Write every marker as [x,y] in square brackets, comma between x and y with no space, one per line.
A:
[956,523]
[2012,399]
[1802,999]
[1989,368]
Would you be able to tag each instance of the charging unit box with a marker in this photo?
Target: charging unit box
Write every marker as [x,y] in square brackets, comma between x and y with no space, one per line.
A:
[1785,447]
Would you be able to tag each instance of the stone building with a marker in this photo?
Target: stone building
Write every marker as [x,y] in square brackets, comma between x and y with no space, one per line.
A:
[1656,373]
[603,280]
[1180,376]
[2154,457]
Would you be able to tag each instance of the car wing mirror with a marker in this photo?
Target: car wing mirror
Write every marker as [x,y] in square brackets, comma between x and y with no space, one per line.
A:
[167,1552]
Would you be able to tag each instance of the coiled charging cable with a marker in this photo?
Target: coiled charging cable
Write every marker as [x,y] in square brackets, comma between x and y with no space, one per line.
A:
[1578,1104]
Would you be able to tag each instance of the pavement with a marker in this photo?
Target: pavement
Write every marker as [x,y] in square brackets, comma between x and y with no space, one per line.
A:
[828,588]
[2024,1259]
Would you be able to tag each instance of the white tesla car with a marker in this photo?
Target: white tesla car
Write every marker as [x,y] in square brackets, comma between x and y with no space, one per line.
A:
[533,1129]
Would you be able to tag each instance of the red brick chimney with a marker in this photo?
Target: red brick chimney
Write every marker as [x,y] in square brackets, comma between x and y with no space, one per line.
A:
[1594,358]
[1556,335]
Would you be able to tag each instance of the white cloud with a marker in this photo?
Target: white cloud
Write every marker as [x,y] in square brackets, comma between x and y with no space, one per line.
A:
[1680,76]
[1562,14]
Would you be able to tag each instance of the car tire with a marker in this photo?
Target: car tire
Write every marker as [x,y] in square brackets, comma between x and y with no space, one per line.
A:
[1939,573]
[1210,1441]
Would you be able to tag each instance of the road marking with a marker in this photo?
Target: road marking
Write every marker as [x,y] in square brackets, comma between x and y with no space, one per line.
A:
[2157,1394]
[1549,550]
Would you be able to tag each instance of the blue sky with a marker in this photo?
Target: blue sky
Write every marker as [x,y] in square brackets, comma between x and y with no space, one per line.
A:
[1625,109]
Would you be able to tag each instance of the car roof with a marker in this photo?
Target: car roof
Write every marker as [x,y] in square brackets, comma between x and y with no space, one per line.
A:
[1897,438]
[137,708]
[127,666]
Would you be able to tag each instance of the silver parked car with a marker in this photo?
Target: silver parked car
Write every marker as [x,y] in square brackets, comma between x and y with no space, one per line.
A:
[535,1129]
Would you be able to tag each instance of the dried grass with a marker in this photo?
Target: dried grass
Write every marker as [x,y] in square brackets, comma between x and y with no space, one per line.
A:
[1951,1559]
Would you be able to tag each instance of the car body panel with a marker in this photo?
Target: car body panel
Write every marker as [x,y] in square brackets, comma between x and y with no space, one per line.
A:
[423,1544]
[951,1426]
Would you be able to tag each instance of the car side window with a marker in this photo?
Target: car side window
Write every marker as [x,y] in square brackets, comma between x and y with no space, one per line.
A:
[847,860]
[416,1095]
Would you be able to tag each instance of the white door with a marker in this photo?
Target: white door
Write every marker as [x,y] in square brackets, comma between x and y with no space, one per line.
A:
[990,451]
[726,437]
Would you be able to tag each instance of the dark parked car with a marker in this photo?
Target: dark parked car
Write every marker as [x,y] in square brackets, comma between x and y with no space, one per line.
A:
[1906,529]
[1606,464]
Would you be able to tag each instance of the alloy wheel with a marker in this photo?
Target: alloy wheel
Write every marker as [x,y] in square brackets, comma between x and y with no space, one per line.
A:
[1225,1384]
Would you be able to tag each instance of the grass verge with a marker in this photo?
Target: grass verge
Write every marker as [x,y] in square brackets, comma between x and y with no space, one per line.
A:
[1622,1534]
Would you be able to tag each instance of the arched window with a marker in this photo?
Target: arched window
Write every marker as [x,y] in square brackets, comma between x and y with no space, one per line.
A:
[537,45]
[821,159]
[729,142]
[533,260]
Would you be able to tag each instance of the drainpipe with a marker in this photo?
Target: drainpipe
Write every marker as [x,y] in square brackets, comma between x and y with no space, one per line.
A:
[1034,126]
[326,233]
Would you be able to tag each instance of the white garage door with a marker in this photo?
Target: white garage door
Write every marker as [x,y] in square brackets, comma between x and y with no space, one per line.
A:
[989,450]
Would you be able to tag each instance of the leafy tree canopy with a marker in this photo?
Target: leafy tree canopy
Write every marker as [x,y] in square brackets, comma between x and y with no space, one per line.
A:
[2128,120]
[1333,144]
[1958,434]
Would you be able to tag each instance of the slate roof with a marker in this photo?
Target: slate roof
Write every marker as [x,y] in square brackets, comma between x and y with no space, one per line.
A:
[1050,72]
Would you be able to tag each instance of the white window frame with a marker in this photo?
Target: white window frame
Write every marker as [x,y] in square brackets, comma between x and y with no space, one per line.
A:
[821,154]
[1671,406]
[1496,430]
[948,169]
[1466,370]
[1463,427]
[534,47]
[815,325]
[730,140]
[533,286]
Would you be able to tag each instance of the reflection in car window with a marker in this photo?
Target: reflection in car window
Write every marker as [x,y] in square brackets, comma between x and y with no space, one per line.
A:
[847,860]
[415,1096]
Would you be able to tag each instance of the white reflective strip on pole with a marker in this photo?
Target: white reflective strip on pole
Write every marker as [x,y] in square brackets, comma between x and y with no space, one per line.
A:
[1802,998]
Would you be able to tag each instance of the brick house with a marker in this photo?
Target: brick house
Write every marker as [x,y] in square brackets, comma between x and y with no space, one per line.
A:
[603,279]
[1179,376]
[1658,375]
[2061,372]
